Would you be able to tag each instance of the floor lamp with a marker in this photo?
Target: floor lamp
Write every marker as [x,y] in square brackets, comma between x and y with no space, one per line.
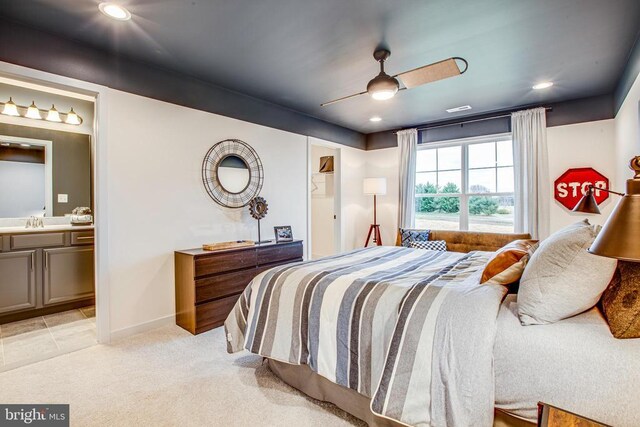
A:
[375,187]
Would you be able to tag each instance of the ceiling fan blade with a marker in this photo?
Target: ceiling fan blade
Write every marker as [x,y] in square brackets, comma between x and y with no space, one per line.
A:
[343,98]
[432,72]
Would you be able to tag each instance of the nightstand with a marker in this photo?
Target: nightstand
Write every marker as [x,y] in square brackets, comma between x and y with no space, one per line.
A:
[551,416]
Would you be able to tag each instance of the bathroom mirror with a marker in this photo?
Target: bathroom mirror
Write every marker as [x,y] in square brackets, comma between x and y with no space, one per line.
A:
[232,173]
[43,172]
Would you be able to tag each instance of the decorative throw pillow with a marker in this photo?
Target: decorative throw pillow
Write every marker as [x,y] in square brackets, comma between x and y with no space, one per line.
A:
[432,245]
[408,235]
[507,264]
[621,301]
[562,279]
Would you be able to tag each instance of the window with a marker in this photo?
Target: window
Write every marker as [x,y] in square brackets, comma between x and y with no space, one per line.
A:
[466,185]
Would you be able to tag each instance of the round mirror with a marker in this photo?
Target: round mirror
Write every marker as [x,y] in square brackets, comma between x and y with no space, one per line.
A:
[233,174]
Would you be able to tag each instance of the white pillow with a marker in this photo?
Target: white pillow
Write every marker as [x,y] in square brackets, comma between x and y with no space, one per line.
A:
[562,279]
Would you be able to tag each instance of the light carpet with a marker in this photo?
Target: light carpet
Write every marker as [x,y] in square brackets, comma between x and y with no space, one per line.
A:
[167,377]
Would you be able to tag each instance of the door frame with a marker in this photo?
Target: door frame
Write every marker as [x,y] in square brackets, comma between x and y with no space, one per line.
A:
[99,170]
[337,194]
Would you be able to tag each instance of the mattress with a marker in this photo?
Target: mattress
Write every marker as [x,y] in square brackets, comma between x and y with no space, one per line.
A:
[575,364]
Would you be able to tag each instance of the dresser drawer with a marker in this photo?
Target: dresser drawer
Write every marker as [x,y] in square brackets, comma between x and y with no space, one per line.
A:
[278,253]
[223,285]
[225,261]
[213,314]
[82,237]
[37,240]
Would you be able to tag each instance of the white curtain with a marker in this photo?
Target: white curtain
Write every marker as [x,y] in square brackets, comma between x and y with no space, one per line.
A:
[532,189]
[408,143]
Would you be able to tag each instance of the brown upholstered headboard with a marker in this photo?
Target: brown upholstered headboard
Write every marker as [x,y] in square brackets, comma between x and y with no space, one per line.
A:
[467,241]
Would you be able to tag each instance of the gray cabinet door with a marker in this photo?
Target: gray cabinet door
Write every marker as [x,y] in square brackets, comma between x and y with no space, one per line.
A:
[68,274]
[17,281]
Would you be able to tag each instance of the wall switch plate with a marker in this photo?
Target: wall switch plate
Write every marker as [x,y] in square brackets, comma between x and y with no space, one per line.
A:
[63,198]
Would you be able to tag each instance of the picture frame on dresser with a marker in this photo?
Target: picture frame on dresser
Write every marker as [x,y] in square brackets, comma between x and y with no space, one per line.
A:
[283,233]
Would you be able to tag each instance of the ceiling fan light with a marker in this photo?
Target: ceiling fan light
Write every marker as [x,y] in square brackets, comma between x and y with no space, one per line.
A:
[382,87]
[10,108]
[382,95]
[53,115]
[33,112]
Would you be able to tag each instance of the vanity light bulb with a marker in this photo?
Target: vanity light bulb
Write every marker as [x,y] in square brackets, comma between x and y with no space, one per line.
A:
[33,112]
[53,115]
[72,118]
[10,108]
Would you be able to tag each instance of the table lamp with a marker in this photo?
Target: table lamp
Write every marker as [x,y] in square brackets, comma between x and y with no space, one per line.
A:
[375,187]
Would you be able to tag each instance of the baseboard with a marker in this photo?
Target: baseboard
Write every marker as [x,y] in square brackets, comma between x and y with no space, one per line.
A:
[143,327]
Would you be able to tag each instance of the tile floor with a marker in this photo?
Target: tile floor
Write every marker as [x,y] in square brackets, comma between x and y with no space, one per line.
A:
[40,338]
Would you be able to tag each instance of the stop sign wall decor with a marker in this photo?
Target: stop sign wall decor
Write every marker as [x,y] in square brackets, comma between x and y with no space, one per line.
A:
[571,185]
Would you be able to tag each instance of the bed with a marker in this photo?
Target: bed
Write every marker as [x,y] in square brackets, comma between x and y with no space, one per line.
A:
[575,364]
[400,336]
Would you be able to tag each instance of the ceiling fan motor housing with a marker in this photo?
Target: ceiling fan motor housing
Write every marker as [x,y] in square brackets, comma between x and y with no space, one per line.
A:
[382,86]
[383,83]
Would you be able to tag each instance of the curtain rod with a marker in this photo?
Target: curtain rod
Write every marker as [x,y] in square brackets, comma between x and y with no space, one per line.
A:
[462,122]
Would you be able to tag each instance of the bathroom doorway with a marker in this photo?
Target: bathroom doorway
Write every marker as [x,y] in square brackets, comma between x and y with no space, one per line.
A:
[47,252]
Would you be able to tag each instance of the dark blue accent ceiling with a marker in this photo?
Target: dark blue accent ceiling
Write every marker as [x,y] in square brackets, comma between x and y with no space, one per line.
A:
[273,62]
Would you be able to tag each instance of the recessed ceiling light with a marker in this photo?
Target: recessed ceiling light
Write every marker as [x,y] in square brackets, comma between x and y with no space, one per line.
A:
[375,119]
[542,85]
[461,108]
[114,11]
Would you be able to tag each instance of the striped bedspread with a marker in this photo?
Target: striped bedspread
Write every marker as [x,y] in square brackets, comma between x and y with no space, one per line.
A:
[411,329]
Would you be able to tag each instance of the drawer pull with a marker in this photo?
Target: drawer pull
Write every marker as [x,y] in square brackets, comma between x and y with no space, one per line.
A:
[85,238]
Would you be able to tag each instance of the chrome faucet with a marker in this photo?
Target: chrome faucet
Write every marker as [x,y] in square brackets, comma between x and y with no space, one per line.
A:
[34,222]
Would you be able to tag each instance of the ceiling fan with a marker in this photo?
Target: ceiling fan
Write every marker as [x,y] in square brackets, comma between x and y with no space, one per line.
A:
[383,86]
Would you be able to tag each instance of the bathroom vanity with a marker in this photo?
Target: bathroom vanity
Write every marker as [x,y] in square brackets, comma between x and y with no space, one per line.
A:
[45,270]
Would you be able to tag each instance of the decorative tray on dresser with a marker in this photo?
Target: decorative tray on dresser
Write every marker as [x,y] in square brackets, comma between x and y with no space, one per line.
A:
[208,283]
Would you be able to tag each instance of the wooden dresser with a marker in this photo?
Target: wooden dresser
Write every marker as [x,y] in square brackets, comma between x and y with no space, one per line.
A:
[208,283]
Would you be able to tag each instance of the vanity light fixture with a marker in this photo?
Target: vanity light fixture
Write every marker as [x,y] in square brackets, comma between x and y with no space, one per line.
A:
[33,112]
[542,85]
[72,118]
[375,119]
[53,115]
[25,145]
[115,11]
[10,108]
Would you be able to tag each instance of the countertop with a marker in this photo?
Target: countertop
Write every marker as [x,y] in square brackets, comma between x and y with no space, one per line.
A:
[46,229]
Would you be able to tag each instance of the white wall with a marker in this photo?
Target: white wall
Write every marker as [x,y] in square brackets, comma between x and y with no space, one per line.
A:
[590,144]
[22,188]
[157,203]
[627,133]
[322,205]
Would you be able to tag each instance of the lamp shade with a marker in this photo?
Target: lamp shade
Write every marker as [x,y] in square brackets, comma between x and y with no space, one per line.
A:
[374,186]
[620,235]
[587,204]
